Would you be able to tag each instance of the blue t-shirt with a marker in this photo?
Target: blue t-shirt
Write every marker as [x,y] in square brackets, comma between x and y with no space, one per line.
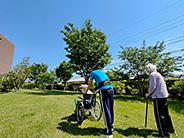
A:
[99,76]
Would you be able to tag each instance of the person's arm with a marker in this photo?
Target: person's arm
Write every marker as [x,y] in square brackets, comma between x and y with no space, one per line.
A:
[152,86]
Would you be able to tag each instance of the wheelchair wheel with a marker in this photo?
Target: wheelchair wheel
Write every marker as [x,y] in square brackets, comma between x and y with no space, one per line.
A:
[96,111]
[79,113]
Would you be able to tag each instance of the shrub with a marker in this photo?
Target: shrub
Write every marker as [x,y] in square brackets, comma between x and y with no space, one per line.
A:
[7,82]
[170,82]
[119,86]
[58,87]
[28,85]
[177,89]
[44,81]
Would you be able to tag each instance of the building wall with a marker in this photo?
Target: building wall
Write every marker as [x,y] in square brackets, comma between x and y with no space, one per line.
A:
[6,54]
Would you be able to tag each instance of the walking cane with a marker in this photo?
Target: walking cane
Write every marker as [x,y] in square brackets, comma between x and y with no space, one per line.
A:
[146,115]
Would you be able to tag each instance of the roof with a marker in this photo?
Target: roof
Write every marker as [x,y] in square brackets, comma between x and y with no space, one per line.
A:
[81,79]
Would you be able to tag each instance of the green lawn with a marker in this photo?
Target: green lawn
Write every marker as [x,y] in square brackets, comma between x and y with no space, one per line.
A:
[49,114]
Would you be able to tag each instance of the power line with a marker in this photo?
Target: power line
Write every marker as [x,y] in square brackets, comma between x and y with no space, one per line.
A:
[179,50]
[155,32]
[175,51]
[146,17]
[172,39]
[174,42]
[152,28]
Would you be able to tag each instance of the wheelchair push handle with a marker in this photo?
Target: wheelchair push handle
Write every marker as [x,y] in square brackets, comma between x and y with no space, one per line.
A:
[93,92]
[96,91]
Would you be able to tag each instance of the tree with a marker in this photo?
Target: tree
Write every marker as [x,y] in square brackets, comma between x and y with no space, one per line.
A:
[86,47]
[7,81]
[21,72]
[37,69]
[134,61]
[15,78]
[115,74]
[45,80]
[64,71]
[120,75]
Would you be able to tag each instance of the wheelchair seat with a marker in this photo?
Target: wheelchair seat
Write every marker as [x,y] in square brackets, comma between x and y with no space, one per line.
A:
[89,100]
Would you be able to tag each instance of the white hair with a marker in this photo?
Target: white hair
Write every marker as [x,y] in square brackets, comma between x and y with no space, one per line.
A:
[83,89]
[150,68]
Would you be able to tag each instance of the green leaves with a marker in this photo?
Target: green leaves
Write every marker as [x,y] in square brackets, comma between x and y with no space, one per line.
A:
[64,71]
[86,47]
[15,78]
[135,59]
[37,69]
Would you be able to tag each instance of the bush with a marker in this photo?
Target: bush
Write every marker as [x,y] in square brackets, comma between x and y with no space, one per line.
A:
[119,86]
[170,82]
[28,85]
[58,87]
[177,89]
[7,82]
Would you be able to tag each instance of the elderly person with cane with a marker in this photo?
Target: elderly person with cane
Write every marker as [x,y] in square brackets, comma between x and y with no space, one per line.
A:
[158,91]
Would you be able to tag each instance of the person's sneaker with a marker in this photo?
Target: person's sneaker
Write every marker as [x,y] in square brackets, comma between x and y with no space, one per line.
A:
[107,134]
[174,132]
[112,129]
[110,136]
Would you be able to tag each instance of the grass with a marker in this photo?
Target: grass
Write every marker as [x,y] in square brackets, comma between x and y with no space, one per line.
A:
[49,114]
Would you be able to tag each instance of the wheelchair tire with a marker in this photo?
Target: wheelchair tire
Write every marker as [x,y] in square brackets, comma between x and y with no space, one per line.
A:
[79,113]
[97,111]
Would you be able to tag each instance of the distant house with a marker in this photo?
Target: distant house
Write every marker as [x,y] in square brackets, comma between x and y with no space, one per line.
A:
[181,76]
[74,83]
[178,75]
[6,54]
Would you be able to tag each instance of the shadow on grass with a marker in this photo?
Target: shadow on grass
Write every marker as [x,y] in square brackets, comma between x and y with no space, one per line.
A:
[52,92]
[136,132]
[70,118]
[69,125]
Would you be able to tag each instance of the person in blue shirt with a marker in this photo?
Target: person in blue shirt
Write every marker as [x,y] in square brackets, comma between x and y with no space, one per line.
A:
[106,95]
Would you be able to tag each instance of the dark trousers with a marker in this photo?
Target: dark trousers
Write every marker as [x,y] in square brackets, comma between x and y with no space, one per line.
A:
[107,103]
[162,117]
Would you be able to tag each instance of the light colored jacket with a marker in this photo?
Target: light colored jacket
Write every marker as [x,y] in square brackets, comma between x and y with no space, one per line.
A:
[157,86]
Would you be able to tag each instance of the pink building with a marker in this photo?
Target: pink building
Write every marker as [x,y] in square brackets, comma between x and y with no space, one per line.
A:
[6,54]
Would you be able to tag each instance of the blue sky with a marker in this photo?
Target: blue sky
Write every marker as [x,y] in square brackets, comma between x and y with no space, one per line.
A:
[33,26]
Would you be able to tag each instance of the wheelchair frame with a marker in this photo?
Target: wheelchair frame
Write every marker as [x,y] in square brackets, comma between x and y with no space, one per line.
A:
[93,112]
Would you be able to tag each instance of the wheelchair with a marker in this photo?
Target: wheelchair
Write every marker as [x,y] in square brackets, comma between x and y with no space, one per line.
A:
[87,107]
